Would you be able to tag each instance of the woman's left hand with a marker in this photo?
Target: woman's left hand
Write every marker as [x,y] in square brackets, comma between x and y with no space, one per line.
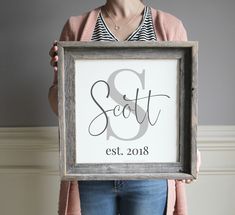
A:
[188,181]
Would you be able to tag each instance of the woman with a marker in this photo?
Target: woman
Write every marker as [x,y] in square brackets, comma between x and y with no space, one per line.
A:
[120,20]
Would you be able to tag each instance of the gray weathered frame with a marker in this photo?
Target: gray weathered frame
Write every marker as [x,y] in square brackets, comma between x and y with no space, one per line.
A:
[185,52]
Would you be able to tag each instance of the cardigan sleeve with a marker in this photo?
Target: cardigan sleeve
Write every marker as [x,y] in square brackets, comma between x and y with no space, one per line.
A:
[74,27]
[176,31]
[180,32]
[68,33]
[169,27]
[181,199]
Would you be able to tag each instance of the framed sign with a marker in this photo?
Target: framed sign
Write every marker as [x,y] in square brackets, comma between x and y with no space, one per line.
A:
[127,110]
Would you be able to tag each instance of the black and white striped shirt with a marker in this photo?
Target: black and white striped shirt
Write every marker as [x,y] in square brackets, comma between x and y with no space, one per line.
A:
[144,32]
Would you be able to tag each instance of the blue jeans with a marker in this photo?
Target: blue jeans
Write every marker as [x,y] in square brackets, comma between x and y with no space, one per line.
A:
[125,197]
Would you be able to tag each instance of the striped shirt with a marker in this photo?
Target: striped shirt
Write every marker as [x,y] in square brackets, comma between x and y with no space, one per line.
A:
[144,32]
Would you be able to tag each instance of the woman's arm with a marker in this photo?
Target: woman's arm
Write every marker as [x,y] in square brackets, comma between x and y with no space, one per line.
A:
[53,98]
[68,33]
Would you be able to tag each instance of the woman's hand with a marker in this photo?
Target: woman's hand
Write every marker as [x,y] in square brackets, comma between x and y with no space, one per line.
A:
[54,56]
[188,181]
[53,91]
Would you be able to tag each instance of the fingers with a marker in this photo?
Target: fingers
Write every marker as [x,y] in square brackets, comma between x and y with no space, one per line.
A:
[54,55]
[188,181]
[53,50]
[54,61]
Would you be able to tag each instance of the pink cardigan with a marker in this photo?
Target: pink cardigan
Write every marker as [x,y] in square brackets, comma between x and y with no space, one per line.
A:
[80,28]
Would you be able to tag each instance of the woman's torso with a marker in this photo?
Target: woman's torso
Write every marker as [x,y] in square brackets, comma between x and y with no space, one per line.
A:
[144,32]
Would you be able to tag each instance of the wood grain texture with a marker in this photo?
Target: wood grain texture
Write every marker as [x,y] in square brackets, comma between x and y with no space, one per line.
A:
[187,55]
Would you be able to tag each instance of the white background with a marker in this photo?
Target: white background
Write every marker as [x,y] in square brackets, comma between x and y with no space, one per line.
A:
[161,139]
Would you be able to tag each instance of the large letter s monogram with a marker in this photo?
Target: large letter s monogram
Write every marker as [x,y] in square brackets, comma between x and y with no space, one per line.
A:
[118,97]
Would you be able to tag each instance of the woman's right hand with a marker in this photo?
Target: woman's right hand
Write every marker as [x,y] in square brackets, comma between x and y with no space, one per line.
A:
[54,56]
[53,91]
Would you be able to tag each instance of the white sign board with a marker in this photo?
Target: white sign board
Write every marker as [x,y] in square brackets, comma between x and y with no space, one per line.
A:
[126,111]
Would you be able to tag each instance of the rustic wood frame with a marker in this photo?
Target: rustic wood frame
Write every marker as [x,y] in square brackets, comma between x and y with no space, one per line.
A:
[186,52]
